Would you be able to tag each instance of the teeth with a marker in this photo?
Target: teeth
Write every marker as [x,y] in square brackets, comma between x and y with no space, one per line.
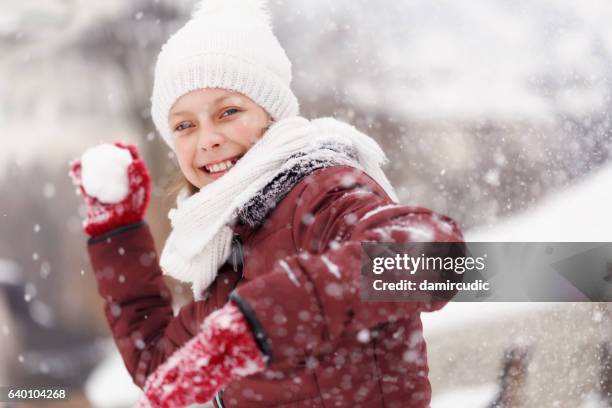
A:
[220,167]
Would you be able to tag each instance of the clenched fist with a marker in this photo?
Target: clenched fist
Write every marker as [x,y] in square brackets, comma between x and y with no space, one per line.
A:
[115,185]
[224,350]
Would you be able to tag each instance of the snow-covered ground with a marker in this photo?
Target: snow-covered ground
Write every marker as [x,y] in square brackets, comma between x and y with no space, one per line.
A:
[466,397]
[110,385]
[111,374]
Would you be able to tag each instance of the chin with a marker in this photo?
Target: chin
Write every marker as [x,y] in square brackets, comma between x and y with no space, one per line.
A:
[197,183]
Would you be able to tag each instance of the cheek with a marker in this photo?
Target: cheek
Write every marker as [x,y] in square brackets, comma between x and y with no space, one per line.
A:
[183,155]
[249,130]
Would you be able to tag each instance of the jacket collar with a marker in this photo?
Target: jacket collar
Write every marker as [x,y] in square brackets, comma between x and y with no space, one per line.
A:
[255,211]
[241,229]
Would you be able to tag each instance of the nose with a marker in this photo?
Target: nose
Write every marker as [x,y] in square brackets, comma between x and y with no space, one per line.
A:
[209,138]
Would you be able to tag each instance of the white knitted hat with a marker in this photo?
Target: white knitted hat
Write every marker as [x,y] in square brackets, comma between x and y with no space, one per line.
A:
[226,44]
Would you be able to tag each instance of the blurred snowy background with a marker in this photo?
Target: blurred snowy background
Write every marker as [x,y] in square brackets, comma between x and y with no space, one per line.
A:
[495,112]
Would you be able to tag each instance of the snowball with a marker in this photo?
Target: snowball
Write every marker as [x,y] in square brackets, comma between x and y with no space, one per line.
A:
[104,173]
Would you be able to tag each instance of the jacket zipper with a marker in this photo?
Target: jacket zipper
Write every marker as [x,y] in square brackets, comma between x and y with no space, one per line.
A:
[218,399]
[237,262]
[237,255]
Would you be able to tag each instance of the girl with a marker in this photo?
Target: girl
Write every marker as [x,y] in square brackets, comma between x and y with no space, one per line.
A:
[268,231]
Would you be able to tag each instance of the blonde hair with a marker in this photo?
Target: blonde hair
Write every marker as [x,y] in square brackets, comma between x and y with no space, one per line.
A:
[176,185]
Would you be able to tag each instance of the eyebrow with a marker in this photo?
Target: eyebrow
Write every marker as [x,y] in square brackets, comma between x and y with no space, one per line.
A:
[215,102]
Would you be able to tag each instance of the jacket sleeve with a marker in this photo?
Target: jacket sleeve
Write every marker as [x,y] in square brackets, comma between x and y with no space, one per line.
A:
[314,296]
[138,303]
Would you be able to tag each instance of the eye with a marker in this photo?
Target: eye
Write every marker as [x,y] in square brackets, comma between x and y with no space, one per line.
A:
[182,126]
[229,112]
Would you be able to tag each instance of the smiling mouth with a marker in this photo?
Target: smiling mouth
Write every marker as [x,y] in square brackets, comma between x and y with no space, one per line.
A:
[222,167]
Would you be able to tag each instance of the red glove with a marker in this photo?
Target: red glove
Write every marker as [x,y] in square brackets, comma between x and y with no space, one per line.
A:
[104,217]
[221,352]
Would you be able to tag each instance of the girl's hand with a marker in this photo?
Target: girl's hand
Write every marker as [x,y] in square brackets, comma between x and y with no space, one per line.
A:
[114,185]
[223,351]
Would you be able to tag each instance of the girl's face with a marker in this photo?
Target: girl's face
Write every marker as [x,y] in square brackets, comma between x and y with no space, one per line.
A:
[212,128]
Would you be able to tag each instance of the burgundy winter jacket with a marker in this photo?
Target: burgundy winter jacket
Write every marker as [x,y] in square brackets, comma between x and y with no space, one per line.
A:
[296,279]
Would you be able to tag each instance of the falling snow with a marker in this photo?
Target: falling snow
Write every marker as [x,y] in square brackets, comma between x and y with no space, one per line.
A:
[496,115]
[363,336]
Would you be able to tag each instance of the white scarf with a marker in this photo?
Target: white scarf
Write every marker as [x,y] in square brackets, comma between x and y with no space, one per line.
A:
[201,238]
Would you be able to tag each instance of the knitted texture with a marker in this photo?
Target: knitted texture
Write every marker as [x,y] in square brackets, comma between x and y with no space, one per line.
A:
[104,217]
[223,350]
[229,45]
[200,240]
